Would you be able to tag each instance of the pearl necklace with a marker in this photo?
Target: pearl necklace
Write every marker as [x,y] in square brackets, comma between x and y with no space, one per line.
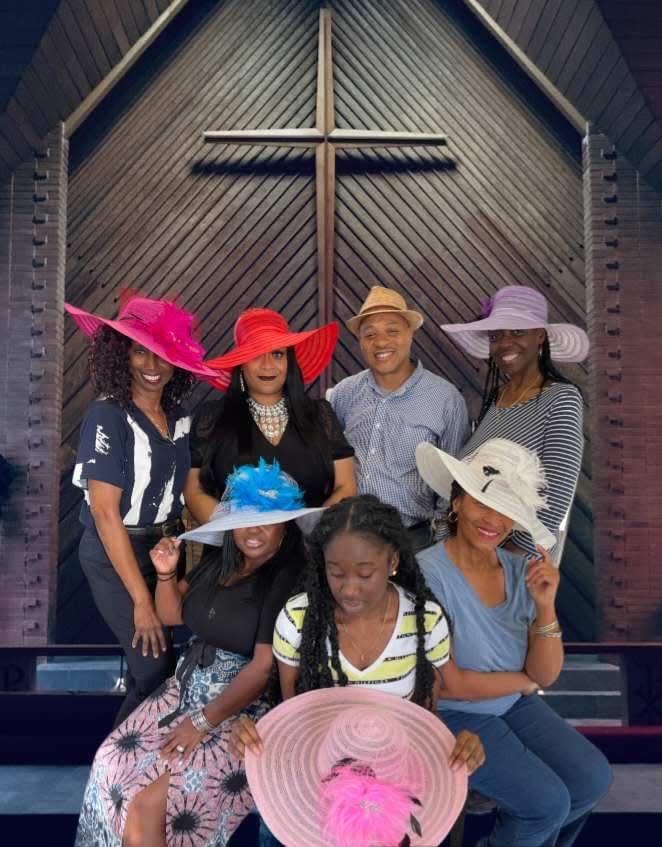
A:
[270,420]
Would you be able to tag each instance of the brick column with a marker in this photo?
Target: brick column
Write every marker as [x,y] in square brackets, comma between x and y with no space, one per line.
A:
[33,214]
[623,233]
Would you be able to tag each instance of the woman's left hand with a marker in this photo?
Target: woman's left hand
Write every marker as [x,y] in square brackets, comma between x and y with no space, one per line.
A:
[181,742]
[468,751]
[542,579]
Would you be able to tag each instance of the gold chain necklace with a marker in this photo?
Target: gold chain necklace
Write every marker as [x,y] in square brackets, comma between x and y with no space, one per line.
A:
[362,653]
[520,396]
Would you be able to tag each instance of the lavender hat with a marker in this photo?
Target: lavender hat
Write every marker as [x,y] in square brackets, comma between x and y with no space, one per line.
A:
[519,307]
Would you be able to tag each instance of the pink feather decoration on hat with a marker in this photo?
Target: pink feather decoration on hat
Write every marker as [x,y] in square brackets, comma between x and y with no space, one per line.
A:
[362,811]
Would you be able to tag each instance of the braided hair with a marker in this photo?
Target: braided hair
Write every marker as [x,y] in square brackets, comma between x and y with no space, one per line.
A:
[494,379]
[367,516]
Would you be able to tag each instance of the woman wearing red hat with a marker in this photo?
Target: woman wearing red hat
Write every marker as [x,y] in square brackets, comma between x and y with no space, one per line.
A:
[266,413]
[133,459]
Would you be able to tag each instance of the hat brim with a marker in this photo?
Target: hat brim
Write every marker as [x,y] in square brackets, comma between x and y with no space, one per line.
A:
[89,324]
[313,350]
[567,343]
[286,777]
[414,319]
[439,469]
[213,531]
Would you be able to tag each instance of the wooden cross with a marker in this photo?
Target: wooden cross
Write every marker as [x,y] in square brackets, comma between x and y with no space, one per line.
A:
[326,139]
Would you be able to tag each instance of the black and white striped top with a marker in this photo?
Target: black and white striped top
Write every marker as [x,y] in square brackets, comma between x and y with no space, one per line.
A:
[122,447]
[552,425]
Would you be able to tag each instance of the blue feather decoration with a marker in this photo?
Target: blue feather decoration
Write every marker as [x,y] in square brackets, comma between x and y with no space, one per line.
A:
[263,487]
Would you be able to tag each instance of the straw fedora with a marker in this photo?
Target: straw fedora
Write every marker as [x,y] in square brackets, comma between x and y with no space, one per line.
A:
[259,331]
[519,307]
[351,767]
[381,300]
[162,327]
[500,474]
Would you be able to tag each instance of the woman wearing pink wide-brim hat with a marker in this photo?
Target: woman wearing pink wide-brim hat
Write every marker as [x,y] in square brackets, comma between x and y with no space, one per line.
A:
[265,412]
[526,399]
[133,460]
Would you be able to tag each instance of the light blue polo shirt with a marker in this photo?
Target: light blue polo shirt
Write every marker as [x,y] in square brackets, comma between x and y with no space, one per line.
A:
[482,638]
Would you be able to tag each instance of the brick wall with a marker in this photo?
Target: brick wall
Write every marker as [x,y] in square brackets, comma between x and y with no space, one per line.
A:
[623,230]
[32,255]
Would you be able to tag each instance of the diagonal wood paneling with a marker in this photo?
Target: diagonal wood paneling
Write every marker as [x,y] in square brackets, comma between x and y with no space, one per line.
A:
[54,56]
[502,206]
[604,57]
[153,208]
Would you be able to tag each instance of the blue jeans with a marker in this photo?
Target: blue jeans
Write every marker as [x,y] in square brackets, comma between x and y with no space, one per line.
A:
[543,775]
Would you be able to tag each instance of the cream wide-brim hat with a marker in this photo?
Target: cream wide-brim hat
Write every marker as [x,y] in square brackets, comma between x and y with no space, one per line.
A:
[500,474]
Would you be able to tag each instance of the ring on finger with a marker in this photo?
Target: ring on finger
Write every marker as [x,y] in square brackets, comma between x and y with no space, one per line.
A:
[180,748]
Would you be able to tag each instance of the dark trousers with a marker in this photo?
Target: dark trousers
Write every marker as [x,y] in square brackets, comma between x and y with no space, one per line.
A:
[145,673]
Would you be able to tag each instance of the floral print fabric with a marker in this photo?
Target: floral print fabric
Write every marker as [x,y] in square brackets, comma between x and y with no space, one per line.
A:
[208,794]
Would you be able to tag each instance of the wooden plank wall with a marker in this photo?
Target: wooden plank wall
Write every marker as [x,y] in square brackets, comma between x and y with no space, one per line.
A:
[83,41]
[503,205]
[152,208]
[573,45]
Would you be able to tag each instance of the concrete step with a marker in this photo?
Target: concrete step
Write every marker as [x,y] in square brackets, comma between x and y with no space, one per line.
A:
[588,676]
[93,674]
[582,705]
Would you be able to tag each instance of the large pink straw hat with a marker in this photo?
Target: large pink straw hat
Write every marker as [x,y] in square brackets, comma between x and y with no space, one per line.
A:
[158,325]
[519,307]
[259,331]
[350,767]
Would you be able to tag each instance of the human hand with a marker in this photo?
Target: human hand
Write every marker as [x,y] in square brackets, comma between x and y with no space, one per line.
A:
[542,579]
[244,735]
[468,751]
[181,742]
[165,556]
[529,686]
[148,629]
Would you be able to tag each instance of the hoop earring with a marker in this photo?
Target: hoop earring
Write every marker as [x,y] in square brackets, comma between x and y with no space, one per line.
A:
[242,384]
[451,517]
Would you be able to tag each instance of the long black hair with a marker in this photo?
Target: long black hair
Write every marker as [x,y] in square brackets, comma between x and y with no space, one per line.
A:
[365,515]
[233,426]
[219,564]
[494,379]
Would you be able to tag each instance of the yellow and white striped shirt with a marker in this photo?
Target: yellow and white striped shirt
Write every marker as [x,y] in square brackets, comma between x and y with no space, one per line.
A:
[394,671]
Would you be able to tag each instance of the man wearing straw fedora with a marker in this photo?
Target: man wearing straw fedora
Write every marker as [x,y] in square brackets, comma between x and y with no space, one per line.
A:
[393,405]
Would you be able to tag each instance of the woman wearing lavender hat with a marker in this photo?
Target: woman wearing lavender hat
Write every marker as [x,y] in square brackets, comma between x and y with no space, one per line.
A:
[525,398]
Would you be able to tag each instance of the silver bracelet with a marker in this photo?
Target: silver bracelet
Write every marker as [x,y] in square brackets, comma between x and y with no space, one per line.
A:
[200,722]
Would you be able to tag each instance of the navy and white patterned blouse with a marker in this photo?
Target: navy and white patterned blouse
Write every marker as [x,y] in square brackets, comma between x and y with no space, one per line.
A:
[385,427]
[123,448]
[551,424]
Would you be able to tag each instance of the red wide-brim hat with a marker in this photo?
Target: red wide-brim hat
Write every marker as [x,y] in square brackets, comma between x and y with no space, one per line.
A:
[158,325]
[259,331]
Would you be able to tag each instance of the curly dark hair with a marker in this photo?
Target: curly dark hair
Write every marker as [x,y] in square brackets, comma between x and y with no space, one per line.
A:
[364,515]
[109,367]
[493,380]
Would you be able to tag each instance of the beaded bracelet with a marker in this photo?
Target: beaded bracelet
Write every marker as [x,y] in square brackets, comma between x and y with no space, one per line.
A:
[200,722]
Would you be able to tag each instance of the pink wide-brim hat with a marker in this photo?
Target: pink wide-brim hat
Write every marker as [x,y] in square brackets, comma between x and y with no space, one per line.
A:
[260,331]
[519,307]
[307,735]
[160,326]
